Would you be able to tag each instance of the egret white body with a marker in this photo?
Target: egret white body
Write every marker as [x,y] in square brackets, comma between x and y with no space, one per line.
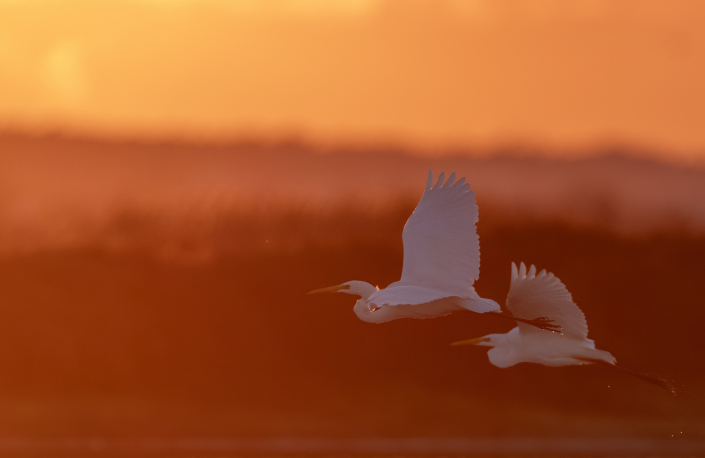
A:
[543,294]
[441,262]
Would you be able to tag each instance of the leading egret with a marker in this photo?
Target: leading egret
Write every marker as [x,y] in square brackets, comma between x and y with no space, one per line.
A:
[544,294]
[441,263]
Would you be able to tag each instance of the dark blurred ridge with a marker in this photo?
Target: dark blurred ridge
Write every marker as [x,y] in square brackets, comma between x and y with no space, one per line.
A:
[58,192]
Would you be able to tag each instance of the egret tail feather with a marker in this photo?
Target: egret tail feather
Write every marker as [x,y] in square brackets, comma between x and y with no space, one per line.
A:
[649,378]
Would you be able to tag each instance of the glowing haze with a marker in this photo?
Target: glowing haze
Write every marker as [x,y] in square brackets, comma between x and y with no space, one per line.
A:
[549,73]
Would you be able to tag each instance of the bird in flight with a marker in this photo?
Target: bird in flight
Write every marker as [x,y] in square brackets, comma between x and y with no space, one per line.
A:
[441,263]
[544,294]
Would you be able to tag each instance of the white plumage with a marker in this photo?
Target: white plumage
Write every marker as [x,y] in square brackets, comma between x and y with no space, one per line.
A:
[441,245]
[544,294]
[541,294]
[441,262]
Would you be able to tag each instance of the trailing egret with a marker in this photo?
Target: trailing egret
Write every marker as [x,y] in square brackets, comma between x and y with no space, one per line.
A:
[441,262]
[544,294]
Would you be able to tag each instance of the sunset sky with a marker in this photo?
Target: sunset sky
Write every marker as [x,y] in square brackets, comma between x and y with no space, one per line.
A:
[558,75]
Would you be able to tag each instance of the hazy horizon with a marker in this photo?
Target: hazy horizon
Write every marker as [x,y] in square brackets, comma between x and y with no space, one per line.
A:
[561,75]
[61,189]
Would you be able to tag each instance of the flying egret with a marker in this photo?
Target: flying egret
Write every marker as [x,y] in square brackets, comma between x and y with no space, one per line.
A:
[441,262]
[544,294]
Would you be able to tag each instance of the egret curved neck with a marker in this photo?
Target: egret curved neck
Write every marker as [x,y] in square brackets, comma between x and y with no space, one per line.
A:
[360,288]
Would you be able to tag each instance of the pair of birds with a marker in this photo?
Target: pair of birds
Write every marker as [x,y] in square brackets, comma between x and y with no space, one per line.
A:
[441,263]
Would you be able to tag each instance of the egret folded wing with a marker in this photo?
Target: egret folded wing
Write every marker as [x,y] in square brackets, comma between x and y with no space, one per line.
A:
[406,295]
[441,246]
[544,295]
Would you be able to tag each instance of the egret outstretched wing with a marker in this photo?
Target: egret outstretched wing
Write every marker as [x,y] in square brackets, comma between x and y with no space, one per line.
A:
[543,294]
[441,246]
[532,294]
[441,261]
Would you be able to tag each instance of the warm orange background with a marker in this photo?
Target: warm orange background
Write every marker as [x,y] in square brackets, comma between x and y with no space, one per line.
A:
[152,285]
[550,73]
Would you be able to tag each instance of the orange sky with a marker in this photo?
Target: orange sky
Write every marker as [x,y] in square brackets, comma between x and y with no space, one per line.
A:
[550,73]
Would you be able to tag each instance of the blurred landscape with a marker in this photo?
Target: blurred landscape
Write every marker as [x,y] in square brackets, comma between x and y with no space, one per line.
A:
[158,290]
[175,175]
[60,192]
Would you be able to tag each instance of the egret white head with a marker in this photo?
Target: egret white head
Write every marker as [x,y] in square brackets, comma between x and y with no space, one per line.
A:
[356,288]
[501,353]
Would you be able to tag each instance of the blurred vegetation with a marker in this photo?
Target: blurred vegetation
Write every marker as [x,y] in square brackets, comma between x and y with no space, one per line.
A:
[194,325]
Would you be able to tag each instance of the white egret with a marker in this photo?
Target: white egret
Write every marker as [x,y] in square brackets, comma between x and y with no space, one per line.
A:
[441,263]
[544,294]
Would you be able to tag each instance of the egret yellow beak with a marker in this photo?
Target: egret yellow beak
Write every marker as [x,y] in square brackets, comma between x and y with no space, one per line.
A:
[330,289]
[474,341]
